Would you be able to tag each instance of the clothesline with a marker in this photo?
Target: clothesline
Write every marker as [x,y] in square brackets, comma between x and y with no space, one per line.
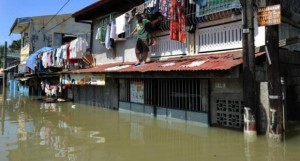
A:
[69,53]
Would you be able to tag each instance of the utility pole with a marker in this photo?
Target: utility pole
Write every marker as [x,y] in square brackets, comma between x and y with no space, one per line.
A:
[274,86]
[249,80]
[4,73]
[3,88]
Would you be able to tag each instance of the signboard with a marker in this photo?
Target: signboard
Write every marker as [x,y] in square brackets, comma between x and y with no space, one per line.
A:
[270,15]
[83,79]
[137,91]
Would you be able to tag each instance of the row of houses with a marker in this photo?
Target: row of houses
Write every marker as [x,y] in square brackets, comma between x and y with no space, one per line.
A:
[198,79]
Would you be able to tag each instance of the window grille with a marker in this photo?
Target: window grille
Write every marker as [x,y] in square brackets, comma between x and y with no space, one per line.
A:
[222,37]
[124,92]
[203,11]
[209,10]
[182,94]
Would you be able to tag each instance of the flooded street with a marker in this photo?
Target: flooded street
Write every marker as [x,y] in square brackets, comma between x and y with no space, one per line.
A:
[35,131]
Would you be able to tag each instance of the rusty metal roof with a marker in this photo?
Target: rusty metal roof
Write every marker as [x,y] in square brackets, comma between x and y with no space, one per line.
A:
[207,62]
[105,7]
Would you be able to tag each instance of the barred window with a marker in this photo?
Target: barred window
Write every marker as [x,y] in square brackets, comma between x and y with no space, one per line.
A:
[183,94]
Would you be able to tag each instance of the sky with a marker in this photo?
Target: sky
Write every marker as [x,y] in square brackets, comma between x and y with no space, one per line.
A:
[12,9]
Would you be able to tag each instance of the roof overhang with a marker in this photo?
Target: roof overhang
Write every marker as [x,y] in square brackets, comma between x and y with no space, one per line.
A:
[20,25]
[9,68]
[23,78]
[225,61]
[105,7]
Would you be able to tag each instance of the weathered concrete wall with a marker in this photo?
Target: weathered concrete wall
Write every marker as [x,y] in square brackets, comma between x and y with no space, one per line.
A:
[44,37]
[226,94]
[25,50]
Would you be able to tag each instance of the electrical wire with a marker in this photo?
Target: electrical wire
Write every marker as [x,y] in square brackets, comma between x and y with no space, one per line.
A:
[54,16]
[59,23]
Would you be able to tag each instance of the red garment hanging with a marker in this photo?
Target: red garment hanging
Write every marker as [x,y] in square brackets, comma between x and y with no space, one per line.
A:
[177,27]
[71,61]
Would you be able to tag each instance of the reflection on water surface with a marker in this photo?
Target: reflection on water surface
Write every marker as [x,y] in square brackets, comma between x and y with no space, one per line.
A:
[35,131]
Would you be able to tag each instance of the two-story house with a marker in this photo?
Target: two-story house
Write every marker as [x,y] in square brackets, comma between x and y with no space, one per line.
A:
[44,31]
[194,77]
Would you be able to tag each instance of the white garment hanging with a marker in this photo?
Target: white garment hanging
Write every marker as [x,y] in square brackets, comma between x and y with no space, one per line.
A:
[120,24]
[113,34]
[150,3]
[44,59]
[98,34]
[64,51]
[79,47]
[58,58]
[107,38]
[192,1]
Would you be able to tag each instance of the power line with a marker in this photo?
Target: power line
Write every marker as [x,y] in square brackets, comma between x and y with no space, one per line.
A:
[54,15]
[59,23]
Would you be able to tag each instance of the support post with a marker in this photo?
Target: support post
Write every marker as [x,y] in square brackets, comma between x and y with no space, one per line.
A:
[274,86]
[249,80]
[4,83]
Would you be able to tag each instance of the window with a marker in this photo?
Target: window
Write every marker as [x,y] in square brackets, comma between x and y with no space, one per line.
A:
[183,94]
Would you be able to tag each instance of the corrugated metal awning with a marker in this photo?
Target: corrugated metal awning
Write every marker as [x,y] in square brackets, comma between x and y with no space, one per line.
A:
[207,62]
[23,78]
[9,68]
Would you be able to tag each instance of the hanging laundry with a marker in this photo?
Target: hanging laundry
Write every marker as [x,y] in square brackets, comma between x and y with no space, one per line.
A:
[201,8]
[54,58]
[82,46]
[192,2]
[101,34]
[44,59]
[49,59]
[72,49]
[58,57]
[78,48]
[138,9]
[120,24]
[113,34]
[107,38]
[152,6]
[97,37]
[164,8]
[64,52]
[150,3]
[177,24]
[69,59]
[202,3]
